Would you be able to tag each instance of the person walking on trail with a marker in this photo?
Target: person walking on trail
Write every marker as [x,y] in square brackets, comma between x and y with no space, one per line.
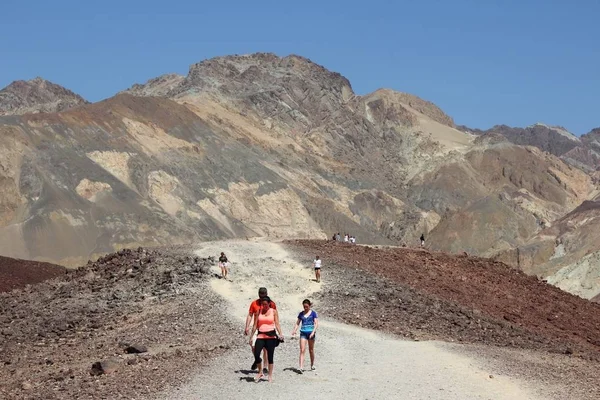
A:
[252,312]
[266,324]
[422,240]
[309,323]
[317,267]
[224,264]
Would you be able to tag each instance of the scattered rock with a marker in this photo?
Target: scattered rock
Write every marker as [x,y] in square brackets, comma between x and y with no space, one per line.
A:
[136,349]
[104,367]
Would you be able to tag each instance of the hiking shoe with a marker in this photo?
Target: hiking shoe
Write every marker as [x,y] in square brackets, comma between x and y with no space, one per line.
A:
[265,371]
[312,368]
[253,367]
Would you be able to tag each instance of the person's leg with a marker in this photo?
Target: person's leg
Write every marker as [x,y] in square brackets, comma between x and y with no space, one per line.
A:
[226,271]
[252,347]
[318,275]
[311,351]
[258,348]
[271,343]
[302,351]
[265,357]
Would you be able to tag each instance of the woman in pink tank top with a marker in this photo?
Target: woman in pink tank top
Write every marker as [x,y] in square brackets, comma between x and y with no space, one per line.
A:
[266,323]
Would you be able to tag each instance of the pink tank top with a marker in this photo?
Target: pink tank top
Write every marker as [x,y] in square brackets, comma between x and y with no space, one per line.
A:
[266,323]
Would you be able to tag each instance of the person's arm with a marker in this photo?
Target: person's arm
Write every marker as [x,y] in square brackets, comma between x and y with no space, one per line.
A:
[254,327]
[296,325]
[316,326]
[248,321]
[277,324]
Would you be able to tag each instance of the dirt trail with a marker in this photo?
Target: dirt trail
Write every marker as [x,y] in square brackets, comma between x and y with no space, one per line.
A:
[352,363]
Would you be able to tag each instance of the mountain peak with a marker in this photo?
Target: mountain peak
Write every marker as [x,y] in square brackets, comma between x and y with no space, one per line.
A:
[37,95]
[558,129]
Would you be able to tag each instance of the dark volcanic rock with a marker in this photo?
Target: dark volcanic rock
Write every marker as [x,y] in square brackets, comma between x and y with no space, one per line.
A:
[19,273]
[136,349]
[105,367]
[36,96]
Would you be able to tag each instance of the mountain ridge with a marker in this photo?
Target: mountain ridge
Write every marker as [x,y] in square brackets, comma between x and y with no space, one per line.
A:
[261,145]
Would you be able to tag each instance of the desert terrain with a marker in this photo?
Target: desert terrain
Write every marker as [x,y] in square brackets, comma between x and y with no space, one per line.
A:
[159,323]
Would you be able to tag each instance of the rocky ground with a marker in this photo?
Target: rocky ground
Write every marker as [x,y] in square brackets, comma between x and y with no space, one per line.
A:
[351,362]
[125,326]
[147,322]
[16,273]
[520,326]
[461,298]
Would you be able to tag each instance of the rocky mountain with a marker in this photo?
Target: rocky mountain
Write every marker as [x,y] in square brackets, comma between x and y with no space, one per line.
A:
[37,96]
[261,145]
[567,253]
[583,152]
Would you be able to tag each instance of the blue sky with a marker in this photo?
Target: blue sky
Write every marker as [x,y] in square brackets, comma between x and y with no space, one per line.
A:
[483,62]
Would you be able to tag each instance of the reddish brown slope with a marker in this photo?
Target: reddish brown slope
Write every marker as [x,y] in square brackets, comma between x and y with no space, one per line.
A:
[16,273]
[490,287]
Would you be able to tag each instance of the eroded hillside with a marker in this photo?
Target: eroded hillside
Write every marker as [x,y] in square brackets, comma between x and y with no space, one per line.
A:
[261,145]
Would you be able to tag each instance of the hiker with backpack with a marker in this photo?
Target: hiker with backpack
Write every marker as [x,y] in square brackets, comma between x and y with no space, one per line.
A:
[266,324]
[308,321]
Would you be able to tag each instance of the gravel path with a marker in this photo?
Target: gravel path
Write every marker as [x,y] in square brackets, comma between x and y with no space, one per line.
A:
[352,363]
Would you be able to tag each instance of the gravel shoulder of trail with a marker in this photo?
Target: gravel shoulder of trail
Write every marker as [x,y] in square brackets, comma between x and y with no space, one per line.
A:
[354,293]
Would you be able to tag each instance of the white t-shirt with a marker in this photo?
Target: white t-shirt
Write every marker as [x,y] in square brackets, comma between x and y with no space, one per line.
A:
[317,264]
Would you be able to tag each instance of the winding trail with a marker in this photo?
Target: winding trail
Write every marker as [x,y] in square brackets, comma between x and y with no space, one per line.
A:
[352,363]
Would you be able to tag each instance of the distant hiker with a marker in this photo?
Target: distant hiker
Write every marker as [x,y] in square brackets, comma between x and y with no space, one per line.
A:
[317,267]
[224,264]
[333,237]
[353,239]
[346,238]
[422,240]
[310,322]
[338,237]
[266,324]
[252,313]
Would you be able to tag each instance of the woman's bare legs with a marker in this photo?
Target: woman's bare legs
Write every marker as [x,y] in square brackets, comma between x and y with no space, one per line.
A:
[260,372]
[302,351]
[271,373]
[311,351]
[318,274]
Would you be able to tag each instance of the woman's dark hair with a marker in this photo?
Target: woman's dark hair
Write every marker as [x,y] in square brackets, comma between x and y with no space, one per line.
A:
[266,298]
[306,301]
